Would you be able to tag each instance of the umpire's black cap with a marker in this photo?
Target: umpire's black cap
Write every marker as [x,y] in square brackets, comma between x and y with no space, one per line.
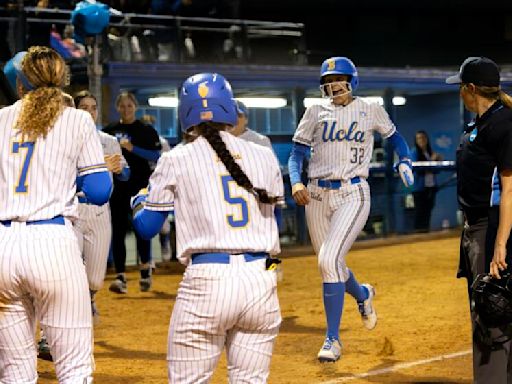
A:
[477,70]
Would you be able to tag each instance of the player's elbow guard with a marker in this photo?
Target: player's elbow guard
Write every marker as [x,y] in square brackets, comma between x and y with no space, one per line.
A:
[97,187]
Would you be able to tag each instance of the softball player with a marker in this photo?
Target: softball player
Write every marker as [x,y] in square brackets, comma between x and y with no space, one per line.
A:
[222,189]
[45,145]
[94,227]
[337,198]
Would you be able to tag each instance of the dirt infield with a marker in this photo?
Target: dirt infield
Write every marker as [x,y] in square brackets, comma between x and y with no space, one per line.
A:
[423,323]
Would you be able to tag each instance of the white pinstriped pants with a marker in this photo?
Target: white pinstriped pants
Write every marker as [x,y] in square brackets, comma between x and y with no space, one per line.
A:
[335,218]
[233,305]
[42,277]
[94,233]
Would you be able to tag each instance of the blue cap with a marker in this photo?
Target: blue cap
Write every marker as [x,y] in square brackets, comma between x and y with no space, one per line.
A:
[241,108]
[12,70]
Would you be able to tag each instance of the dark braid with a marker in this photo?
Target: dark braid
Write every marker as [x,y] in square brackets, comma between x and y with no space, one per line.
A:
[210,131]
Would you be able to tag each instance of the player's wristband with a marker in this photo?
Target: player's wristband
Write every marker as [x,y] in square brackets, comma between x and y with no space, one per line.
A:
[297,187]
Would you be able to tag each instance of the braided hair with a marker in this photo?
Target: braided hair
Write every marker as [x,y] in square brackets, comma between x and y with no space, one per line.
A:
[210,131]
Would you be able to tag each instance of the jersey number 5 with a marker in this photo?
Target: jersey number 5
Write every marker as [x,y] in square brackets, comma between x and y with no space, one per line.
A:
[240,220]
[22,186]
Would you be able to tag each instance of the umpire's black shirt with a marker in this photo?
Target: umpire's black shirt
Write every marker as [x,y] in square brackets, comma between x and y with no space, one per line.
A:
[143,136]
[485,147]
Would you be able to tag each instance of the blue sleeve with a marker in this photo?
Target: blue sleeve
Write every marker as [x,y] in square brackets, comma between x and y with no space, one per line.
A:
[148,223]
[124,175]
[279,217]
[399,145]
[97,187]
[148,154]
[414,154]
[296,161]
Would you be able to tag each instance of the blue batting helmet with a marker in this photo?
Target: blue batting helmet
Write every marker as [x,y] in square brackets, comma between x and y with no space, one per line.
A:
[206,97]
[12,70]
[340,66]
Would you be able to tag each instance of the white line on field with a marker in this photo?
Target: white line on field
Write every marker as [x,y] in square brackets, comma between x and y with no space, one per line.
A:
[397,367]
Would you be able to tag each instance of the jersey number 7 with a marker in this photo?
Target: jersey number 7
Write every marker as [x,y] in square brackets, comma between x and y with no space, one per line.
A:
[22,186]
[242,219]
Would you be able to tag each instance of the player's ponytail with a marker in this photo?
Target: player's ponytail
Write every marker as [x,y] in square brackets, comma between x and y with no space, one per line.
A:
[43,73]
[210,131]
[506,99]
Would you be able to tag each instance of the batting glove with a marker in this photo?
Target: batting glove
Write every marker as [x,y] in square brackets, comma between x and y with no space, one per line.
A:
[404,168]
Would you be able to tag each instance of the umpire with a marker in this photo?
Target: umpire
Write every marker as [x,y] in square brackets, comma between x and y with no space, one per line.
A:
[484,191]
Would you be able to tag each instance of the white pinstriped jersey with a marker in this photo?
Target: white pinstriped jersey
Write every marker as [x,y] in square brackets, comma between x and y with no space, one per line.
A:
[37,180]
[341,138]
[255,137]
[111,146]
[214,214]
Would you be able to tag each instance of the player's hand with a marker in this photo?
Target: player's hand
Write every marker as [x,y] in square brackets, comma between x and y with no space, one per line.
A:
[114,163]
[498,262]
[126,144]
[300,194]
[404,168]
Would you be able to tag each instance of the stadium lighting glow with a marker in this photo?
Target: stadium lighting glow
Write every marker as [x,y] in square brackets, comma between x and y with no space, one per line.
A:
[309,101]
[263,102]
[397,100]
[163,101]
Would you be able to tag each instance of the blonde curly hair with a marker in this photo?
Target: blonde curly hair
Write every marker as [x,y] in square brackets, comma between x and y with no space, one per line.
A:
[46,72]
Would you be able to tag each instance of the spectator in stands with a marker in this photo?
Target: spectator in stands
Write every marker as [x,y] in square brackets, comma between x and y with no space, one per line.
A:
[166,40]
[140,145]
[425,184]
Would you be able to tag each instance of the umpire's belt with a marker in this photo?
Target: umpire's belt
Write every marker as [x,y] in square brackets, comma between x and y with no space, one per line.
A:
[334,184]
[223,258]
[57,220]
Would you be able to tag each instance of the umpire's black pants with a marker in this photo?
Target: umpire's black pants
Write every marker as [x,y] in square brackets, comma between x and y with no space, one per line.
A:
[121,219]
[498,368]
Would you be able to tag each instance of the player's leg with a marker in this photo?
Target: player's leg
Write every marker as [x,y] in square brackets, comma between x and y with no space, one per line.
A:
[58,283]
[351,207]
[165,240]
[249,344]
[95,251]
[196,335]
[17,317]
[17,346]
[144,251]
[318,216]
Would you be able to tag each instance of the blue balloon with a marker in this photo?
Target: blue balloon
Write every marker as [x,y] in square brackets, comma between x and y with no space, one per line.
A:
[89,19]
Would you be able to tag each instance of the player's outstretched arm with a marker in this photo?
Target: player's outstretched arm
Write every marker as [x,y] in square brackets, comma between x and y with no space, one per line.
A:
[404,166]
[295,162]
[146,223]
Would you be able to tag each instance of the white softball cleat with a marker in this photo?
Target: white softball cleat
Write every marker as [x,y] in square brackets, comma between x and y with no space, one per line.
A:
[118,286]
[330,351]
[366,309]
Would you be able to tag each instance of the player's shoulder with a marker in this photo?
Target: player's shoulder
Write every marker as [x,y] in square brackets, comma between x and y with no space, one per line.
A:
[106,137]
[256,148]
[10,109]
[369,105]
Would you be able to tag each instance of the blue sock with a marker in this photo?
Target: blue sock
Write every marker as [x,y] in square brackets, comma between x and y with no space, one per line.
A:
[356,290]
[334,294]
